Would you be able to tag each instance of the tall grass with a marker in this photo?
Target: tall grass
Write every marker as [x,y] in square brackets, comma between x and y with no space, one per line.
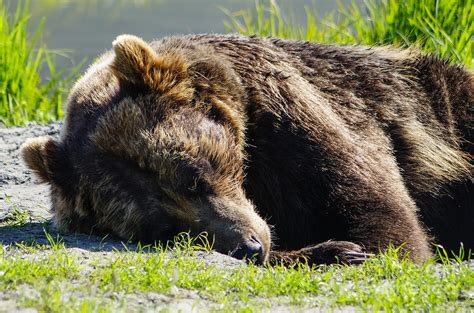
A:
[445,27]
[24,95]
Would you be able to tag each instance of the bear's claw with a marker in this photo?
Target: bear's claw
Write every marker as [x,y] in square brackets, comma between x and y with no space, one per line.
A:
[355,258]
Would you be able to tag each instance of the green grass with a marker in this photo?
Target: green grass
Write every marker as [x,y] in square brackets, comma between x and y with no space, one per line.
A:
[16,216]
[444,27]
[65,281]
[24,96]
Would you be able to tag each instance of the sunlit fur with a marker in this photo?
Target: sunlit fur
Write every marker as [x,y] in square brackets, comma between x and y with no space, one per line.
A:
[339,148]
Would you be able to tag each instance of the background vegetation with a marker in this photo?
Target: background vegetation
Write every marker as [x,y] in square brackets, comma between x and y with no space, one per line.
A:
[24,95]
[444,27]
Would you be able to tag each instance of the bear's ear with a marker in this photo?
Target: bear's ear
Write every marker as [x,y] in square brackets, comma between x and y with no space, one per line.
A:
[136,62]
[38,154]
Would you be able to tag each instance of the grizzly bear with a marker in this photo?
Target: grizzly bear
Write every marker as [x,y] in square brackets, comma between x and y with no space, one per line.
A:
[343,150]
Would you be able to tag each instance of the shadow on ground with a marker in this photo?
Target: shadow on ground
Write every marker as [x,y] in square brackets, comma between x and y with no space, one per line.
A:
[37,233]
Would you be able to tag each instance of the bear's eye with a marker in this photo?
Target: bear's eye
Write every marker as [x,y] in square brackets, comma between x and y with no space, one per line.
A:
[191,177]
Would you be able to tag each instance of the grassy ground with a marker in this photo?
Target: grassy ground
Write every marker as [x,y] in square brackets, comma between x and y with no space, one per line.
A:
[52,278]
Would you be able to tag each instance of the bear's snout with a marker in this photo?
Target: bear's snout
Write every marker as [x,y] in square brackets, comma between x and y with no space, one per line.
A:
[250,250]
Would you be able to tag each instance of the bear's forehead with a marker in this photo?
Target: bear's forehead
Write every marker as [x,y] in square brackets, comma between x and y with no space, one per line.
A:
[130,131]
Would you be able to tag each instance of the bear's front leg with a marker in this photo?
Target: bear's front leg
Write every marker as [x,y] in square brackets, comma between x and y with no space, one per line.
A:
[328,252]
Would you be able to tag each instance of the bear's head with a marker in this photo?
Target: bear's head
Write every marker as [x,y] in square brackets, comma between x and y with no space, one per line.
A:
[153,146]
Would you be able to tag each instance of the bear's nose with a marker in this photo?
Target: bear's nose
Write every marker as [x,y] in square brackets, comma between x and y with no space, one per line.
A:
[250,250]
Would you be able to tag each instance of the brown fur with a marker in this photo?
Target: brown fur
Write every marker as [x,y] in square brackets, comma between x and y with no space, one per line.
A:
[342,149]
